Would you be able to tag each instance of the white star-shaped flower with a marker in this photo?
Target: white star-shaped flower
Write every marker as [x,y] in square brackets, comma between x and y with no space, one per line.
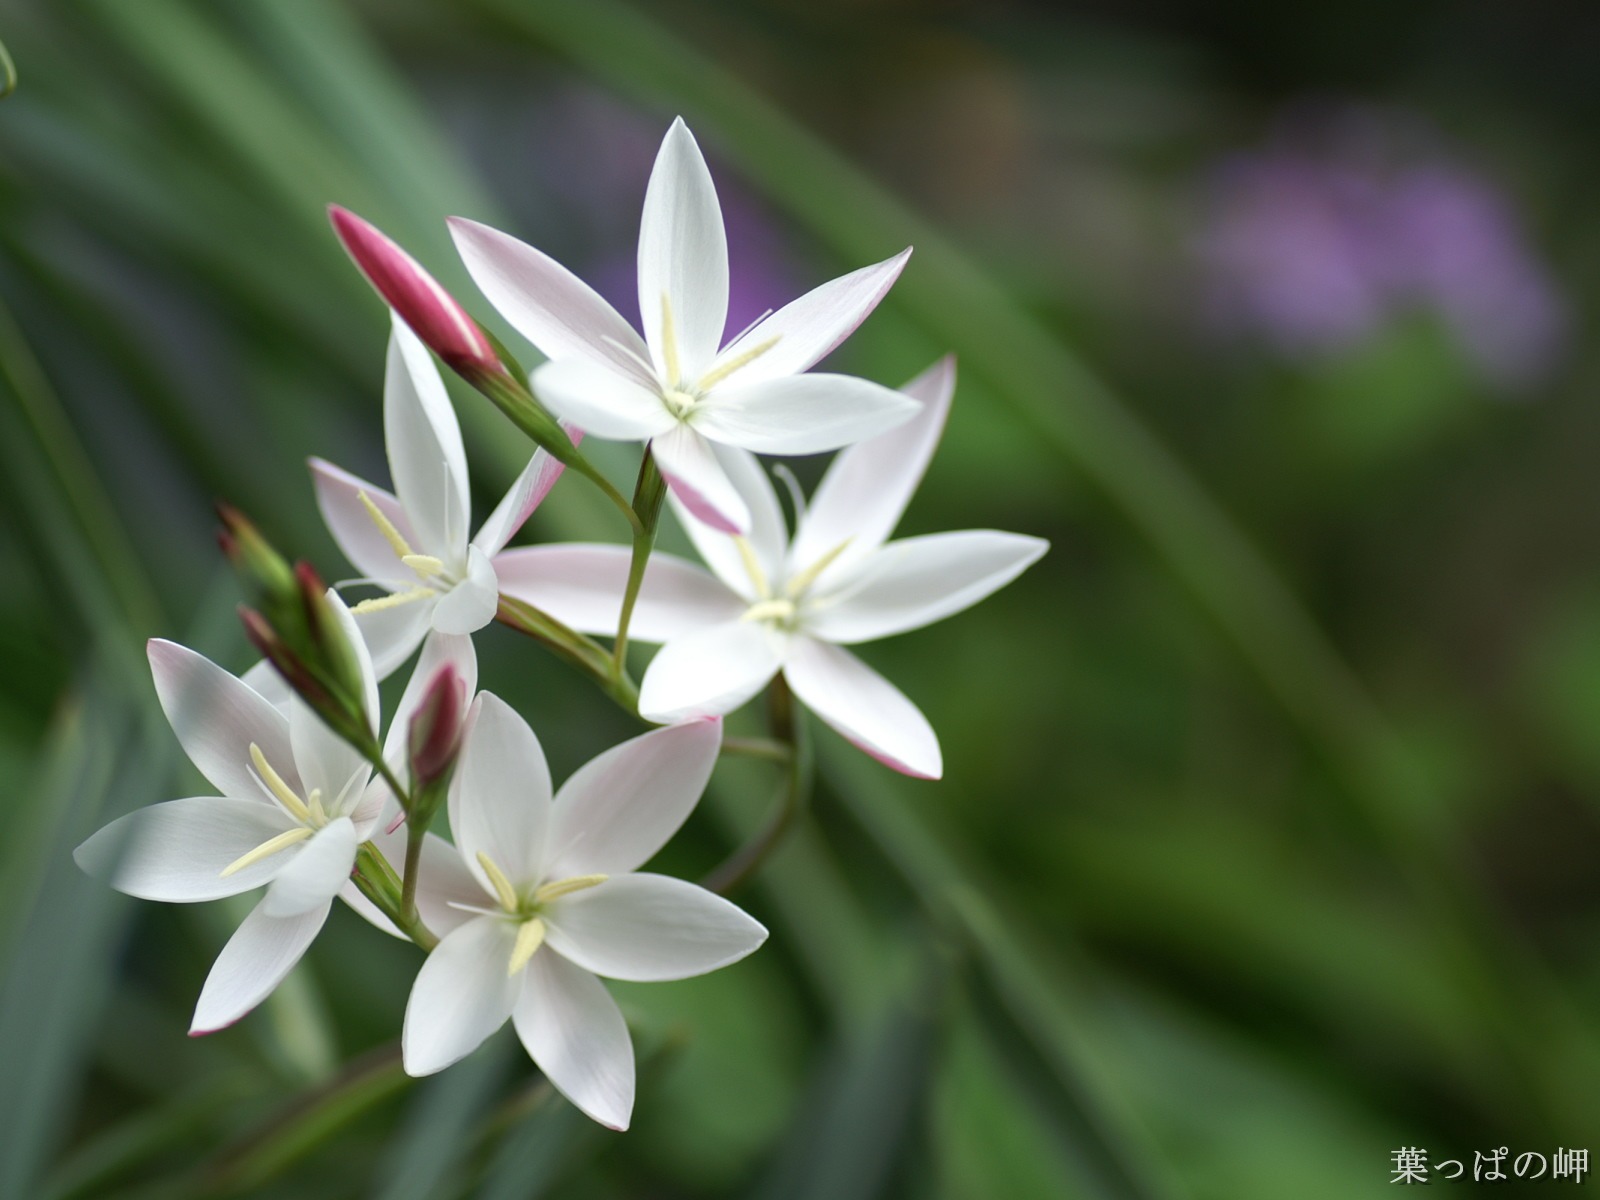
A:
[674,387]
[545,895]
[771,604]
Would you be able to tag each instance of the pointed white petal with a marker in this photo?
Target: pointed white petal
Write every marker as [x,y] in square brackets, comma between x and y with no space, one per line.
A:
[216,718]
[263,679]
[917,581]
[472,603]
[259,954]
[864,707]
[546,303]
[325,761]
[574,1032]
[765,535]
[650,927]
[866,489]
[357,534]
[352,896]
[699,481]
[581,585]
[710,672]
[462,995]
[801,414]
[426,457]
[620,808]
[601,402]
[514,509]
[314,872]
[683,256]
[176,852]
[393,634]
[810,328]
[500,796]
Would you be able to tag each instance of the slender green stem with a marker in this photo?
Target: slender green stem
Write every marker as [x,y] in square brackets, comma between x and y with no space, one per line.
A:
[788,727]
[415,834]
[8,73]
[648,494]
[770,749]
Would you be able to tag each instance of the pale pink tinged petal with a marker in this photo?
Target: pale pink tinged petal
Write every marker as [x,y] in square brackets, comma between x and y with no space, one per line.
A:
[472,603]
[325,761]
[426,457]
[917,581]
[810,328]
[500,796]
[699,481]
[393,634]
[600,401]
[314,872]
[461,997]
[574,1032]
[438,651]
[357,534]
[863,707]
[801,414]
[767,536]
[526,494]
[581,585]
[620,808]
[546,303]
[866,488]
[710,672]
[650,927]
[264,680]
[259,954]
[176,852]
[216,718]
[683,256]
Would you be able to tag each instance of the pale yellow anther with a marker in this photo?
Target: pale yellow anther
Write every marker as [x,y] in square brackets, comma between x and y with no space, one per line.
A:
[504,892]
[717,374]
[530,936]
[781,610]
[393,600]
[565,887]
[669,340]
[806,578]
[385,526]
[267,848]
[425,565]
[319,815]
[296,807]
[752,565]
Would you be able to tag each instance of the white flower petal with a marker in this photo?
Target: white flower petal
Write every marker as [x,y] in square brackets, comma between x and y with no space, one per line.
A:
[462,995]
[472,603]
[650,927]
[801,414]
[175,852]
[393,634]
[600,401]
[314,872]
[699,481]
[574,1032]
[259,954]
[581,585]
[357,534]
[426,457]
[216,718]
[514,509]
[864,707]
[710,672]
[352,896]
[917,581]
[867,487]
[263,679]
[620,808]
[683,256]
[546,303]
[810,328]
[500,796]
[766,534]
[326,762]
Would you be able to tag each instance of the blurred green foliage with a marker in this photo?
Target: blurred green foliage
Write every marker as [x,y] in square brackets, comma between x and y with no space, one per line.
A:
[1267,842]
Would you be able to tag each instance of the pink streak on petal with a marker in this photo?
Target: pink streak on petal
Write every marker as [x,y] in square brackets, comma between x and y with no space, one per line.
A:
[699,506]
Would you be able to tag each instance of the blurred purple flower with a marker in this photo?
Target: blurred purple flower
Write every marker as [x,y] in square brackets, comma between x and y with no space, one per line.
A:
[1345,221]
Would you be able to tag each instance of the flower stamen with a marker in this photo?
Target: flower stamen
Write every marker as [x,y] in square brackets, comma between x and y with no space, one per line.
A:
[806,578]
[397,543]
[565,887]
[530,936]
[318,814]
[780,610]
[504,892]
[717,374]
[393,600]
[425,565]
[280,790]
[267,848]
[752,565]
[669,341]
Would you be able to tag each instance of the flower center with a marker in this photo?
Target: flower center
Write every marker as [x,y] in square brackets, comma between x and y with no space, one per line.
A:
[679,403]
[309,812]
[679,398]
[782,610]
[527,909]
[433,577]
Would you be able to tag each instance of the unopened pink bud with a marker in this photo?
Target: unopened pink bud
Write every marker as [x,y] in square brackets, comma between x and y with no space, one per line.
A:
[434,736]
[433,314]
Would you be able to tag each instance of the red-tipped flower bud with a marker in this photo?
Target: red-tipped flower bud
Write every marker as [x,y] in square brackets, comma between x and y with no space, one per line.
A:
[252,555]
[330,644]
[433,314]
[433,739]
[288,664]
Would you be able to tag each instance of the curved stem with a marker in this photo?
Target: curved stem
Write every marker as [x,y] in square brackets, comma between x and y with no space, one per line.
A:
[648,494]
[788,727]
